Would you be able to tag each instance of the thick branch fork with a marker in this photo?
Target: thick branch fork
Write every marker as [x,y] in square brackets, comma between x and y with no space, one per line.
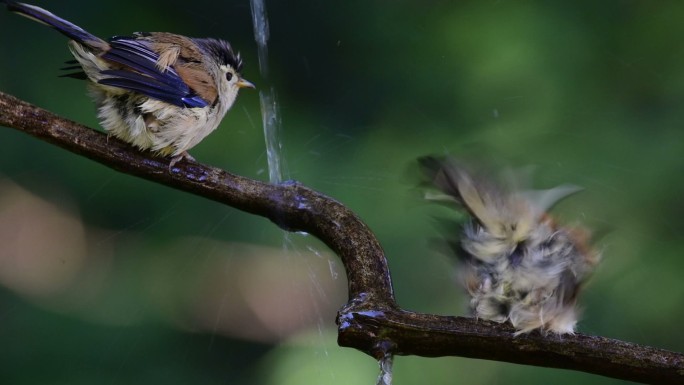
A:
[371,321]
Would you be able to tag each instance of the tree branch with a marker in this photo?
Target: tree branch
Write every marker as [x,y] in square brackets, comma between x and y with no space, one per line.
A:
[371,321]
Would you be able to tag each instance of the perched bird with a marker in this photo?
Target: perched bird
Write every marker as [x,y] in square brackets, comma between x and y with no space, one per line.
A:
[158,91]
[516,263]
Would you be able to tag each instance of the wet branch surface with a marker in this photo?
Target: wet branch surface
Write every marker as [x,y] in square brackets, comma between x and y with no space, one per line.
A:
[371,321]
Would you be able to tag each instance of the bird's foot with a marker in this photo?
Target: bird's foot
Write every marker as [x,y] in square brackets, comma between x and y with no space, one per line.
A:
[178,158]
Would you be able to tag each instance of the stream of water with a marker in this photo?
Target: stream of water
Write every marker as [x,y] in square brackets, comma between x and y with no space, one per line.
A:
[270,116]
[272,128]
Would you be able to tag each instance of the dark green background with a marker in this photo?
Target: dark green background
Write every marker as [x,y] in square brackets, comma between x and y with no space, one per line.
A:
[590,93]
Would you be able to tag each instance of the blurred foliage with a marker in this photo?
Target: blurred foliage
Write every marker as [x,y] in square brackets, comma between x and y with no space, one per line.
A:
[588,92]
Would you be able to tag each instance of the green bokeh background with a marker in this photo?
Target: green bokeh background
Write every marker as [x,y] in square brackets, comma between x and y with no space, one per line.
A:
[590,93]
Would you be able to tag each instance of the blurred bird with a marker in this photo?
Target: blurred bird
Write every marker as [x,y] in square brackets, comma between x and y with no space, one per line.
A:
[516,263]
[158,91]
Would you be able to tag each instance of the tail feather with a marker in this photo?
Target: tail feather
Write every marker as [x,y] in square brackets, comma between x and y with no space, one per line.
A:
[68,29]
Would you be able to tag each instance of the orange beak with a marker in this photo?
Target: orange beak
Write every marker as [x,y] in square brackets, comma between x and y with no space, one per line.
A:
[242,83]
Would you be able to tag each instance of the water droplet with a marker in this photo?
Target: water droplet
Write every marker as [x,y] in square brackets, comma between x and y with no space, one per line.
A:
[385,363]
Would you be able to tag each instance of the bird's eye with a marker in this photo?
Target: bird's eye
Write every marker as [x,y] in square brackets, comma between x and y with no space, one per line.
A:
[229,76]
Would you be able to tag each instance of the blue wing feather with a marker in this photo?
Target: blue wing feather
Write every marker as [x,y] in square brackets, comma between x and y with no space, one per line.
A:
[140,82]
[144,76]
[151,87]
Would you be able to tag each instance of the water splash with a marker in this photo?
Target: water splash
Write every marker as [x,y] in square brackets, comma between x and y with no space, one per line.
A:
[267,96]
[385,376]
